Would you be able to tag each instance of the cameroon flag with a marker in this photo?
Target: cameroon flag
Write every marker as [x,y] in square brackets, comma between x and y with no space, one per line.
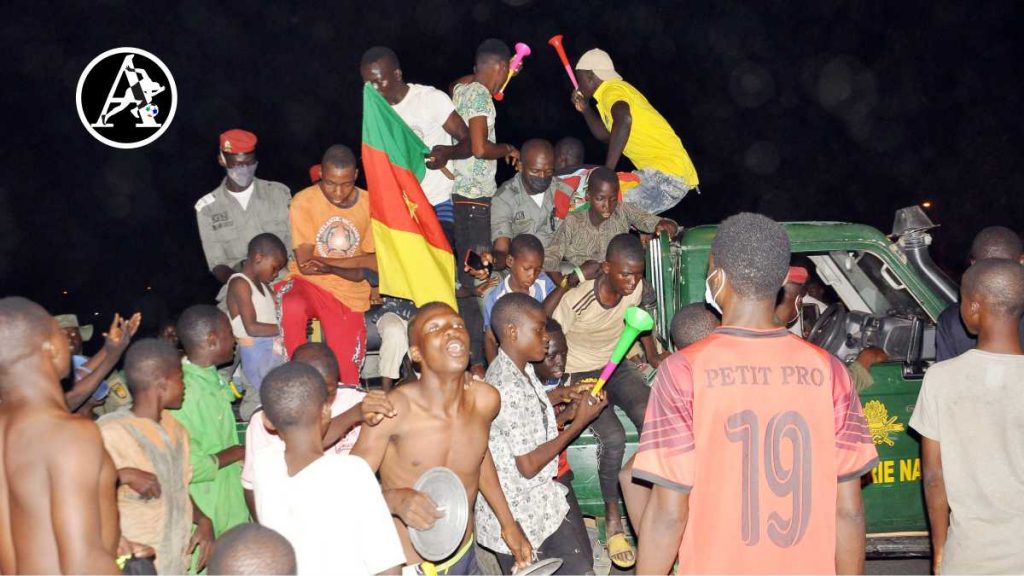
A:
[414,259]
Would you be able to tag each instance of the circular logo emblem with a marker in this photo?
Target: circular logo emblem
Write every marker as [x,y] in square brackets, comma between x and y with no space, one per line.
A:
[126,98]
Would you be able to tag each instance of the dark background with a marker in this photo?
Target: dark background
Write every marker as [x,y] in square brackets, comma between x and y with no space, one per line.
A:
[803,111]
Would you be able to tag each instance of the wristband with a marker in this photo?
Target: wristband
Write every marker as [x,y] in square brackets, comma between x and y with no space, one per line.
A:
[579,274]
[122,560]
[564,283]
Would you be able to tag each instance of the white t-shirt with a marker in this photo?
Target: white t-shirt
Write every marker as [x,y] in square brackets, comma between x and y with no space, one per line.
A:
[244,196]
[332,512]
[257,437]
[973,406]
[425,109]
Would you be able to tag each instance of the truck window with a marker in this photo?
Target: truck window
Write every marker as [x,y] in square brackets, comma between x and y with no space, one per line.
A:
[863,270]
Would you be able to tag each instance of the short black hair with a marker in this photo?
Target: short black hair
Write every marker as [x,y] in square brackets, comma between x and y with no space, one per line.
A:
[570,142]
[292,394]
[753,251]
[377,54]
[319,356]
[24,325]
[512,308]
[251,549]
[602,175]
[339,156]
[267,244]
[147,361]
[625,247]
[996,242]
[525,243]
[493,50]
[691,323]
[999,283]
[553,327]
[196,323]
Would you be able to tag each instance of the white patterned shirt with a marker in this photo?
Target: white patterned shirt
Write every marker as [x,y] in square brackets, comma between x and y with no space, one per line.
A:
[474,178]
[526,421]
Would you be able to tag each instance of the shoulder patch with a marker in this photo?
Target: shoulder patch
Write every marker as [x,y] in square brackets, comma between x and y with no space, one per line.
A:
[205,201]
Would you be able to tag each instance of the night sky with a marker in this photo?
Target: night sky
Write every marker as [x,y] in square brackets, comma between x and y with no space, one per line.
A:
[802,111]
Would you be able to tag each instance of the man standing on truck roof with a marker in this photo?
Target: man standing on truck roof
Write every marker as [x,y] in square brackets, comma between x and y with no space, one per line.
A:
[754,439]
[951,338]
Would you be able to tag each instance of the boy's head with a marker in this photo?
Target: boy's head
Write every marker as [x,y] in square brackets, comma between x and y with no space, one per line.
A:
[525,261]
[205,334]
[338,173]
[992,291]
[294,396]
[749,260]
[27,329]
[997,242]
[267,255]
[438,339]
[518,321]
[491,67]
[602,193]
[322,358]
[251,549]
[152,366]
[691,323]
[624,263]
[568,153]
[553,365]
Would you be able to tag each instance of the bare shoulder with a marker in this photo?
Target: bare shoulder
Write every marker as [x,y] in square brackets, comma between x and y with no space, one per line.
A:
[486,397]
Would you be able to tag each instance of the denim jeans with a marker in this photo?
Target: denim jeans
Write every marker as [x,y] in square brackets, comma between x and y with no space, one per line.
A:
[627,389]
[258,358]
[472,232]
[657,191]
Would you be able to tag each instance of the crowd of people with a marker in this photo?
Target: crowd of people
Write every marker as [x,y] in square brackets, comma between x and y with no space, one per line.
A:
[495,391]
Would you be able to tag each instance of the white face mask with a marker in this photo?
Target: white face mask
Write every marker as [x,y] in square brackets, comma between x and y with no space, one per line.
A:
[710,297]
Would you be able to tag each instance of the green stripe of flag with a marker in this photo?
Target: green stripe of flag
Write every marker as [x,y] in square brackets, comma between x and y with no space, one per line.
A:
[385,130]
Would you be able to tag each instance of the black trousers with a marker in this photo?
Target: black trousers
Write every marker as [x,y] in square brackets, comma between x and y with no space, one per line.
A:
[570,542]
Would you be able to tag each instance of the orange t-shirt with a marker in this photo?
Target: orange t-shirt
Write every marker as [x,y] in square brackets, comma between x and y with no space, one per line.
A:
[334,233]
[758,427]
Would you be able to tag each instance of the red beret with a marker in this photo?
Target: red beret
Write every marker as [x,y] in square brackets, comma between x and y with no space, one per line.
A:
[314,173]
[237,141]
[797,275]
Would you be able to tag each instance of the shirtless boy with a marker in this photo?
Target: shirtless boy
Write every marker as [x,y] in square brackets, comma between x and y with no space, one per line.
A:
[58,512]
[442,419]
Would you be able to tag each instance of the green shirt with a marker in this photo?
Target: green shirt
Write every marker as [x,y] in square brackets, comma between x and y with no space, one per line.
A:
[206,414]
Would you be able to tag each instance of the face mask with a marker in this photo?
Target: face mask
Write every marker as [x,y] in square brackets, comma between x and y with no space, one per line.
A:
[709,297]
[243,174]
[536,184]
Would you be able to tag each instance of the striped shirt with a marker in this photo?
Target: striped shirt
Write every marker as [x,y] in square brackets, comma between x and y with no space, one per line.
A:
[759,427]
[578,240]
[591,329]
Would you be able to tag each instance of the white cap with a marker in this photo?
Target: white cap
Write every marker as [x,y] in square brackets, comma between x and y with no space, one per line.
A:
[600,63]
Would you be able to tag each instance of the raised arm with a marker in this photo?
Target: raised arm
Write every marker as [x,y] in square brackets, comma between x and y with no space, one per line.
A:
[117,339]
[597,127]
[622,124]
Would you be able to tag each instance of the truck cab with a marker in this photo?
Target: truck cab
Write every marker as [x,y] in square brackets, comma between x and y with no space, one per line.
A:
[884,292]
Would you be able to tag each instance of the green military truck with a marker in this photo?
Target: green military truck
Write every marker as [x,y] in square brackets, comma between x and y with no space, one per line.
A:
[889,294]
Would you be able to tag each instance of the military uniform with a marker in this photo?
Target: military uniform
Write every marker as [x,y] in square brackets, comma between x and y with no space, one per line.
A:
[514,211]
[226,228]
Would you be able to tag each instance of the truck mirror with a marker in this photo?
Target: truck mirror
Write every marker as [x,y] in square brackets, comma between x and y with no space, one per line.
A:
[913,367]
